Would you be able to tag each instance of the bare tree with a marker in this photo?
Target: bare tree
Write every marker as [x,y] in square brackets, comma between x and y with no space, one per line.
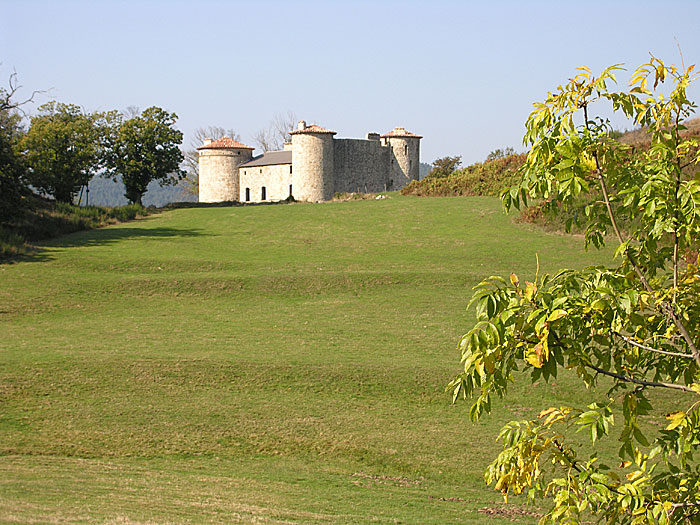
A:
[131,112]
[6,95]
[264,140]
[273,137]
[191,162]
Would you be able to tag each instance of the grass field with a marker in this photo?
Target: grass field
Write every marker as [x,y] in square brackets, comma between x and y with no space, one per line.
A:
[260,364]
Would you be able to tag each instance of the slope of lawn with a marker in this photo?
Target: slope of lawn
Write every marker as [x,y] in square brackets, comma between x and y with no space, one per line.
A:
[265,363]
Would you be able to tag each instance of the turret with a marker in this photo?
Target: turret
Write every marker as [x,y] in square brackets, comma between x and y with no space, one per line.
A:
[312,154]
[405,156]
[218,169]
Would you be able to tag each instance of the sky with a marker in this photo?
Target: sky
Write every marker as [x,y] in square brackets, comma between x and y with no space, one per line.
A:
[464,75]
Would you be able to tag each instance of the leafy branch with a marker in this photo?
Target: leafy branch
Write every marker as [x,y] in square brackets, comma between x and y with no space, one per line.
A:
[636,323]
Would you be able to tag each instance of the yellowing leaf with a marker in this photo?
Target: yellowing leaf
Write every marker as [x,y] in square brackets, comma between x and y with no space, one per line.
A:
[535,356]
[546,412]
[556,314]
[514,279]
[479,365]
[676,419]
[530,290]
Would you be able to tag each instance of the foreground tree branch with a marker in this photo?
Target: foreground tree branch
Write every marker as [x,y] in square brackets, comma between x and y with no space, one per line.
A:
[579,317]
[652,349]
[641,382]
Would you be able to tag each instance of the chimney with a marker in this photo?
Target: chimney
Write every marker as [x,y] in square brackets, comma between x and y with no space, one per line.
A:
[206,142]
[301,125]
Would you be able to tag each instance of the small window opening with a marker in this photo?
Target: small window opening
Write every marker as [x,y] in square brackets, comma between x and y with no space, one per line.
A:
[290,169]
[247,194]
[263,193]
[405,149]
[290,190]
[260,170]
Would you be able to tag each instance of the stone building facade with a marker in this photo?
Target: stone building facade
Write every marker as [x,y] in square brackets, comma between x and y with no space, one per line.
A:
[312,168]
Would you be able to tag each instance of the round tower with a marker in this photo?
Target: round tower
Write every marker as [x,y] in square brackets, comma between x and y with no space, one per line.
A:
[218,169]
[405,156]
[312,158]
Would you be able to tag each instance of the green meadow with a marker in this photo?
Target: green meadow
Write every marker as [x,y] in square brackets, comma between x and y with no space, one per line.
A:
[275,364]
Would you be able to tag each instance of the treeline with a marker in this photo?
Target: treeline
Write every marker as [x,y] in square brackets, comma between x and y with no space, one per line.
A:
[60,150]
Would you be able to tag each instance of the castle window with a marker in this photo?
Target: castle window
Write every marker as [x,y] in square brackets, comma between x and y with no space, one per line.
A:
[260,170]
[247,194]
[263,193]
[290,190]
[405,149]
[290,169]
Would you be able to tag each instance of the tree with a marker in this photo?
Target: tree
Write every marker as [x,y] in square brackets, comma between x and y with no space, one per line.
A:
[500,154]
[13,184]
[273,137]
[142,149]
[62,149]
[12,169]
[191,162]
[633,328]
[445,166]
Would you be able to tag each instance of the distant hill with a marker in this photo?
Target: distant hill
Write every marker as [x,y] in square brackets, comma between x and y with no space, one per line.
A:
[107,192]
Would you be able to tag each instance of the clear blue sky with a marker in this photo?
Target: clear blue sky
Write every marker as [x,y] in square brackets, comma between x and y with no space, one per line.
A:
[462,74]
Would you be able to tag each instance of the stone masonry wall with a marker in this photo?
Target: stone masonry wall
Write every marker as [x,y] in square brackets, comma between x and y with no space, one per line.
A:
[312,155]
[405,160]
[361,166]
[218,174]
[276,179]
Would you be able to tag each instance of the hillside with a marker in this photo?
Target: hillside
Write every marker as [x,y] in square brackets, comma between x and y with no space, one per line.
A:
[261,363]
[490,177]
[482,178]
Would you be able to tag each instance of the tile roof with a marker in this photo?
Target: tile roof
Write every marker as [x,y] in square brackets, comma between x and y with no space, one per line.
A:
[401,132]
[313,128]
[271,158]
[224,143]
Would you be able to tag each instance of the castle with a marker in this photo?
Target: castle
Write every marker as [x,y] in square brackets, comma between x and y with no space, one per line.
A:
[312,167]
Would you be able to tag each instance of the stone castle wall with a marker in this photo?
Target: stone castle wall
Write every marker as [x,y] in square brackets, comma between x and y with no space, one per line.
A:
[218,174]
[361,166]
[312,157]
[276,179]
[321,166]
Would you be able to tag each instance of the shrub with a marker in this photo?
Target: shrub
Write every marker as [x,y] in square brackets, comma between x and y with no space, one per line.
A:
[487,178]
